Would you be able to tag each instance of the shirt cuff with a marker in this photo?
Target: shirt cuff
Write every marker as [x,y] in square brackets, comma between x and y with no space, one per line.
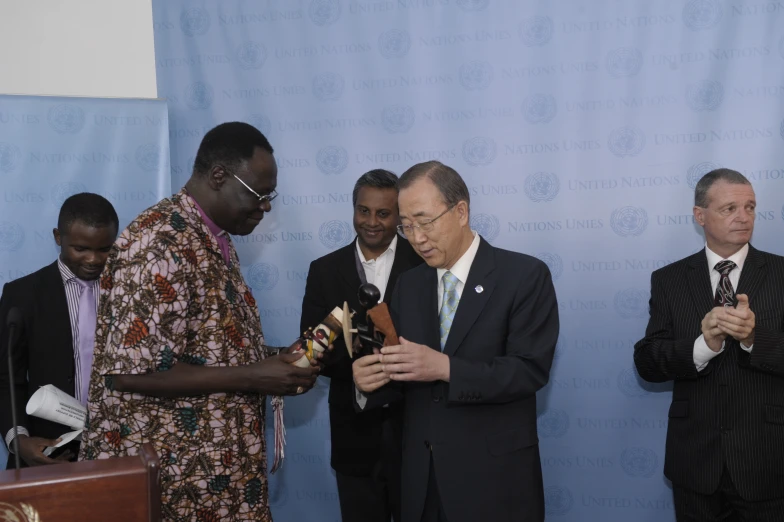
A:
[747,348]
[703,354]
[361,399]
[9,437]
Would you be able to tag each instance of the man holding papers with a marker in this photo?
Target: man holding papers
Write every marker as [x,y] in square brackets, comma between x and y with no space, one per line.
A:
[54,345]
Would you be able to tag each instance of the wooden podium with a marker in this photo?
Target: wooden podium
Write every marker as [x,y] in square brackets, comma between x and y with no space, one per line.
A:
[123,489]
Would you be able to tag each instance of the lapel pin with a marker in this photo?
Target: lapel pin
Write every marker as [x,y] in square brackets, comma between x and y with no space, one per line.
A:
[479,289]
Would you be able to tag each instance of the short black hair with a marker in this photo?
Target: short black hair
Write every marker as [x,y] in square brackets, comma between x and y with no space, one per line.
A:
[446,179]
[91,209]
[706,182]
[376,178]
[229,144]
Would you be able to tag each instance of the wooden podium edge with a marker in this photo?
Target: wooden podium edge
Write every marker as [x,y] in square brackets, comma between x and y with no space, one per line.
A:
[80,471]
[153,464]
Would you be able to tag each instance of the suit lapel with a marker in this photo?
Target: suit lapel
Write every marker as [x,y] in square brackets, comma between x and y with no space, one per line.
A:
[699,283]
[753,274]
[429,309]
[53,310]
[347,268]
[472,302]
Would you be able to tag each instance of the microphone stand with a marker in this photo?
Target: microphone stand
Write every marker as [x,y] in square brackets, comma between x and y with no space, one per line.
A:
[15,440]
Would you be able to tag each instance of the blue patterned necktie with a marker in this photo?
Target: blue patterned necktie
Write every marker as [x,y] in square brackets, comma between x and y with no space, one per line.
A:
[448,306]
[725,294]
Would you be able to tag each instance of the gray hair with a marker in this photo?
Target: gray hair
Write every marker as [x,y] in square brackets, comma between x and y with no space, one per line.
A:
[449,183]
[706,182]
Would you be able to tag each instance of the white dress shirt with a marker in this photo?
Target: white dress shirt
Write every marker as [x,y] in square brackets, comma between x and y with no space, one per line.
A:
[377,270]
[703,354]
[460,270]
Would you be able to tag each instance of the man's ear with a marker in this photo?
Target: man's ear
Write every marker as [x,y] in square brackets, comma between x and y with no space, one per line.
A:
[216,177]
[699,215]
[462,212]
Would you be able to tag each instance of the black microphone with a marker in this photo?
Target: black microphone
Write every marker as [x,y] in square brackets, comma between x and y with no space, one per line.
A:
[13,320]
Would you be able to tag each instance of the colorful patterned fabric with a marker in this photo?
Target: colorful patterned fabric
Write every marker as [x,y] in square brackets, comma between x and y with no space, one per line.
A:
[167,296]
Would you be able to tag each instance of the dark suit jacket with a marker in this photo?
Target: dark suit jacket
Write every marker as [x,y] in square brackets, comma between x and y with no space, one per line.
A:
[731,413]
[43,353]
[480,427]
[333,279]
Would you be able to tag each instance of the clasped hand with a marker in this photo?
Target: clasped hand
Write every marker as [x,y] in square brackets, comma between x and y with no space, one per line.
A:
[404,362]
[721,322]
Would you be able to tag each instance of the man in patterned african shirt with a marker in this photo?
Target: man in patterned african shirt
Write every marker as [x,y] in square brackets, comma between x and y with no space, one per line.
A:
[179,354]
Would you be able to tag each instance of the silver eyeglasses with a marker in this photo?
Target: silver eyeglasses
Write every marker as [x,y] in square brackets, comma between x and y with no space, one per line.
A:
[262,199]
[408,230]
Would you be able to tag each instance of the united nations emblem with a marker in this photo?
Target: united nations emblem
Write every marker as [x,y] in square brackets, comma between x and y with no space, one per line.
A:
[476,76]
[263,276]
[553,424]
[332,160]
[486,225]
[397,118]
[394,43]
[631,303]
[697,171]
[639,462]
[629,221]
[702,14]
[554,263]
[705,96]
[624,62]
[536,31]
[66,118]
[539,108]
[10,157]
[21,513]
[557,500]
[334,234]
[194,21]
[251,55]
[541,186]
[626,141]
[324,12]
[328,86]
[12,236]
[148,157]
[198,96]
[479,151]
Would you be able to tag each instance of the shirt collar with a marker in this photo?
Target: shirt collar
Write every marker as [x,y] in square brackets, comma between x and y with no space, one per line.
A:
[738,257]
[67,274]
[390,249]
[215,229]
[463,265]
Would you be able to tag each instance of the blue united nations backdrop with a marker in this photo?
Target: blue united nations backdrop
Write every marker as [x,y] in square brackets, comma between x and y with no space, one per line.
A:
[581,129]
[52,148]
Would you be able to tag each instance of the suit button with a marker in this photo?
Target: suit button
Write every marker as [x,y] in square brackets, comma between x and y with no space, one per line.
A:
[70,380]
[427,445]
[436,399]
